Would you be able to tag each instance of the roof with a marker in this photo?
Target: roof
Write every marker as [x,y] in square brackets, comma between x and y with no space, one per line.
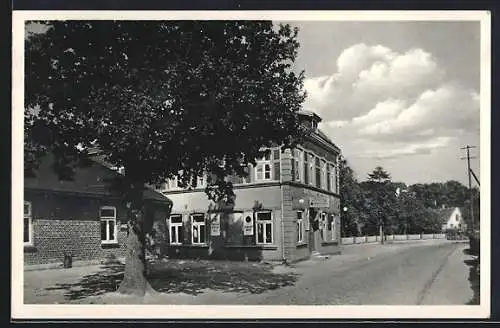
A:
[89,179]
[309,113]
[444,214]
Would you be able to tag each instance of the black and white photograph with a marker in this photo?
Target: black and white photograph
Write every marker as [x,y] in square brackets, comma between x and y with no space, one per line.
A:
[261,164]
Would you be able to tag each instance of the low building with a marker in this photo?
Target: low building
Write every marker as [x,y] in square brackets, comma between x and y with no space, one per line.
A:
[81,217]
[452,219]
[287,209]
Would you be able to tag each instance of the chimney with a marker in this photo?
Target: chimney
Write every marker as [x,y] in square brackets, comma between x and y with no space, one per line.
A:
[443,206]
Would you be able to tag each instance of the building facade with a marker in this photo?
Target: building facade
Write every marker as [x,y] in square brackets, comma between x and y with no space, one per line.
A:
[80,218]
[287,209]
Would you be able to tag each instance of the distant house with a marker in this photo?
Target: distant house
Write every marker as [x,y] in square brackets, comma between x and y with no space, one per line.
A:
[80,217]
[452,219]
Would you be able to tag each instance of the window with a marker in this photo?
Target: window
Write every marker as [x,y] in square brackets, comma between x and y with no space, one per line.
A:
[28,224]
[333,178]
[107,214]
[263,168]
[300,228]
[198,229]
[264,228]
[317,163]
[201,182]
[268,167]
[323,174]
[328,177]
[306,168]
[311,169]
[176,230]
[298,164]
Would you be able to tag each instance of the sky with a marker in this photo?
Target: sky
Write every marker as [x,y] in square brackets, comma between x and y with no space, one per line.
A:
[401,95]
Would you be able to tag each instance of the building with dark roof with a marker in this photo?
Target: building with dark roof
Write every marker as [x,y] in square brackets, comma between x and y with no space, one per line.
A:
[81,216]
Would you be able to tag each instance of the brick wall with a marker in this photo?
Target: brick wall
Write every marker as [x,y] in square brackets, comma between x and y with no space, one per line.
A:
[82,239]
[64,223]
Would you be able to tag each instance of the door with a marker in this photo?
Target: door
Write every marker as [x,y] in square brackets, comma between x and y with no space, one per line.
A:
[312,237]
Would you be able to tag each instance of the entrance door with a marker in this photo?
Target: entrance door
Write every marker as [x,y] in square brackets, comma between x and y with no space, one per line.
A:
[312,237]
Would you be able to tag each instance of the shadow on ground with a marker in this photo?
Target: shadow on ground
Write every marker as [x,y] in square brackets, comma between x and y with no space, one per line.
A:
[474,275]
[190,277]
[106,280]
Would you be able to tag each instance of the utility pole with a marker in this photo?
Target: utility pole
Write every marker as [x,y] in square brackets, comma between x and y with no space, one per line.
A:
[468,158]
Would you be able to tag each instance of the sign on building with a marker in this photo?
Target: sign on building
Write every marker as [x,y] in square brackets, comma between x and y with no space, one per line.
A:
[319,202]
[248,224]
[214,224]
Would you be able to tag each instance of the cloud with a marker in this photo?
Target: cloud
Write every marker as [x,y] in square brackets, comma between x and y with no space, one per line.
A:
[383,104]
[396,151]
[368,75]
[441,111]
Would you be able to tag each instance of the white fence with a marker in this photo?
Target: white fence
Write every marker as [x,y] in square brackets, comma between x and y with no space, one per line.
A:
[376,239]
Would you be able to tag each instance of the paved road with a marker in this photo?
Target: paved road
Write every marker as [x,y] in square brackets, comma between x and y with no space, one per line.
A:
[416,274]
[413,273]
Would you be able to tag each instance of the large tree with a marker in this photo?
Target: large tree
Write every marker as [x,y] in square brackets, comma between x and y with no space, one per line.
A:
[350,200]
[161,99]
[380,204]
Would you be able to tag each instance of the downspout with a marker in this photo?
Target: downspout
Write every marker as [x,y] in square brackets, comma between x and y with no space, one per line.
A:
[283,258]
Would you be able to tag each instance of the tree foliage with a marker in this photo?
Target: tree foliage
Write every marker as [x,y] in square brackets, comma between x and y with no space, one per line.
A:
[350,200]
[397,207]
[161,98]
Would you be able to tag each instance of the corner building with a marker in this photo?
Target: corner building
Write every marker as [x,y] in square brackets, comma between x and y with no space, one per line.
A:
[288,208]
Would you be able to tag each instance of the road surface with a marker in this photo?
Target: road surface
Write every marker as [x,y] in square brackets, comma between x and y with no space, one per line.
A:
[411,273]
[425,273]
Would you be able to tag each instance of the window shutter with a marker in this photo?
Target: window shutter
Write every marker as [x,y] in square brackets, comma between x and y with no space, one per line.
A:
[293,169]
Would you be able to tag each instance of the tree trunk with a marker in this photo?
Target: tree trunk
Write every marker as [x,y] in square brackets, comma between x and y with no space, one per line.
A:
[381,232]
[134,280]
